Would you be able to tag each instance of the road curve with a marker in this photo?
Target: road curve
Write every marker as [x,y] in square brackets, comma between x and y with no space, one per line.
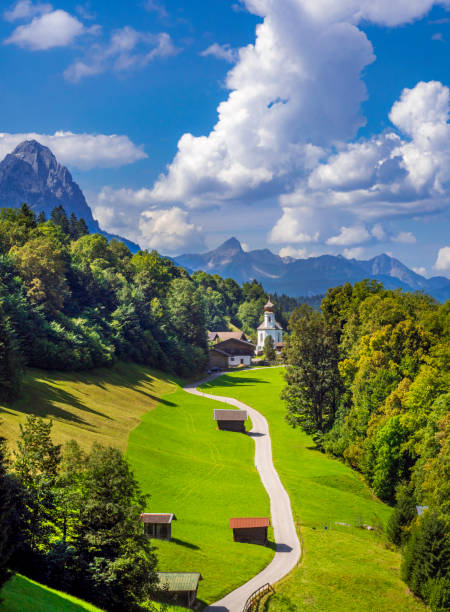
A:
[288,548]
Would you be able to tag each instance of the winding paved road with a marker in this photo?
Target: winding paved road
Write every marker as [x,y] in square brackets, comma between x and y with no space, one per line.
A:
[288,548]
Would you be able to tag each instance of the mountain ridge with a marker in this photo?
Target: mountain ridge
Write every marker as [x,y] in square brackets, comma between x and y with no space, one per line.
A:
[32,174]
[310,276]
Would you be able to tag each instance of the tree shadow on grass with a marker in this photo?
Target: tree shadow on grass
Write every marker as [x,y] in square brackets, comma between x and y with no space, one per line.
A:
[185,544]
[41,398]
[234,381]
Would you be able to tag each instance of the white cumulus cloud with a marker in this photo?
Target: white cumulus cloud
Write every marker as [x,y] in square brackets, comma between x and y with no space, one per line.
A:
[126,49]
[223,52]
[169,230]
[83,151]
[25,9]
[353,253]
[55,29]
[442,263]
[349,236]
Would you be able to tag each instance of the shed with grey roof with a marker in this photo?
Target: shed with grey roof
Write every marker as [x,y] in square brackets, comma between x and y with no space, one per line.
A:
[231,420]
[158,525]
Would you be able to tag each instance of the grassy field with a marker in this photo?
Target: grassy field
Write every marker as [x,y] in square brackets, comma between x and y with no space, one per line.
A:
[21,594]
[205,476]
[101,405]
[344,568]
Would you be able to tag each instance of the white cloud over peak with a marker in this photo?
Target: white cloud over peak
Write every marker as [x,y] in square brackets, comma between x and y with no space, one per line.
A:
[349,236]
[126,49]
[51,29]
[223,52]
[25,9]
[405,238]
[169,230]
[442,263]
[291,251]
[353,253]
[83,151]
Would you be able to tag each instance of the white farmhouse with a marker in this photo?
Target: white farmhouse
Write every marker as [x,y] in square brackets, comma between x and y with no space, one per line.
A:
[269,327]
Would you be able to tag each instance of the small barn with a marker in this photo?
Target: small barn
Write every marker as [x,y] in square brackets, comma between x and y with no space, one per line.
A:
[158,526]
[231,420]
[250,530]
[179,587]
[231,353]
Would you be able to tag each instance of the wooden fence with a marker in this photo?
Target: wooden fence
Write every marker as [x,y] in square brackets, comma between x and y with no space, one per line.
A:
[252,601]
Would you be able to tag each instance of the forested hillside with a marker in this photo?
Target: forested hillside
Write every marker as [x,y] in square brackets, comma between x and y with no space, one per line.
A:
[370,379]
[70,300]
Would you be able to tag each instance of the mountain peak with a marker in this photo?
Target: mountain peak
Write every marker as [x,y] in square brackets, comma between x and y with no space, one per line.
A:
[230,244]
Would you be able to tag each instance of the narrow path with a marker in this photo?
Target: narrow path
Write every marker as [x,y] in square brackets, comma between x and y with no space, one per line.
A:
[288,549]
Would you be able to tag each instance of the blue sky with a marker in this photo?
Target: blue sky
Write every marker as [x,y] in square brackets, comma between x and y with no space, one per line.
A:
[305,126]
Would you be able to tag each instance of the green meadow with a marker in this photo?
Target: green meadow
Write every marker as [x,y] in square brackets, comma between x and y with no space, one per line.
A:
[344,568]
[25,595]
[204,476]
[101,405]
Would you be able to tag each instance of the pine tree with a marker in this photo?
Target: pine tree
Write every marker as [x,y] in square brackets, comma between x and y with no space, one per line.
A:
[10,360]
[269,349]
[36,465]
[59,217]
[41,218]
[427,556]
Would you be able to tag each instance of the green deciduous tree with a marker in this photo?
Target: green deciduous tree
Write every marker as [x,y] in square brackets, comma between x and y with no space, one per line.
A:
[313,381]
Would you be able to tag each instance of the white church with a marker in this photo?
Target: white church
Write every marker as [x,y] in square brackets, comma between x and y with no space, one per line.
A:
[269,327]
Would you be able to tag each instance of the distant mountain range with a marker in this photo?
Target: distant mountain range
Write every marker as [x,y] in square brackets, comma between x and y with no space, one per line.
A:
[312,276]
[32,174]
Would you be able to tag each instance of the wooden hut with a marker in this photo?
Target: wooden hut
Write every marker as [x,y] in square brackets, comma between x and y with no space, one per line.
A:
[158,526]
[179,587]
[250,530]
[231,420]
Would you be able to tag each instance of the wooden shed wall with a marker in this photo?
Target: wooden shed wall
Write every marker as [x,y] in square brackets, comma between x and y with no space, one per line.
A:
[231,425]
[251,535]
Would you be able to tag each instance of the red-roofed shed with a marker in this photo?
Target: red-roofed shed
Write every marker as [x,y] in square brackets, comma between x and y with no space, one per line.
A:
[250,530]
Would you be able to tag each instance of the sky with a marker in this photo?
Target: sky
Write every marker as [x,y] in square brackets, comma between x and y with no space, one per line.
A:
[303,126]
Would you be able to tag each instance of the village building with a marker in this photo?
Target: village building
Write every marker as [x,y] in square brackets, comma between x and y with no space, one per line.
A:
[158,526]
[250,530]
[220,336]
[269,327]
[231,353]
[179,587]
[230,420]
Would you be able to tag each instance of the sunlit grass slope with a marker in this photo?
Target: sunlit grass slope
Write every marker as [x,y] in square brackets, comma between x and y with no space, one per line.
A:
[345,569]
[21,594]
[101,405]
[204,476]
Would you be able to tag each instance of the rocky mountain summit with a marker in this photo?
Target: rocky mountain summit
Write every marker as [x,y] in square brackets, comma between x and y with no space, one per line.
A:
[311,276]
[32,174]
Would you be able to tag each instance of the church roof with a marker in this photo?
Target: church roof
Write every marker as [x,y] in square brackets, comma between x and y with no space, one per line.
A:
[274,326]
[269,306]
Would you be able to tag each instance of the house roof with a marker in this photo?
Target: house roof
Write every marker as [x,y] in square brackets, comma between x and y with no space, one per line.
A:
[160,519]
[179,581]
[249,523]
[216,350]
[230,415]
[226,335]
